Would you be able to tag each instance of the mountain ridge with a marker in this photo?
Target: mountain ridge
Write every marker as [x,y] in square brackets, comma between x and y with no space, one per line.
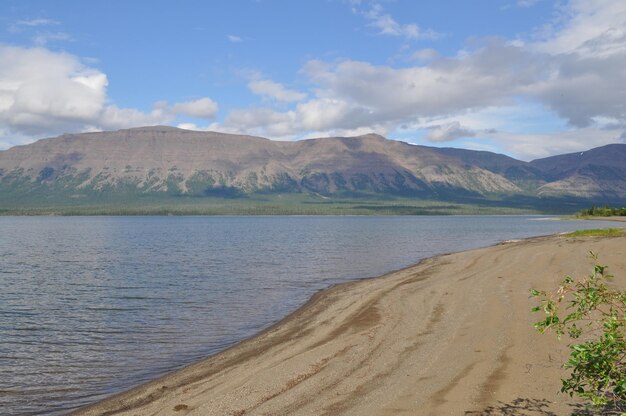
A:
[166,160]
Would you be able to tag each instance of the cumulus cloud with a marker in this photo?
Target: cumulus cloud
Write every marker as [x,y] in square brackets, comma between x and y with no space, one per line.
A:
[448,85]
[589,27]
[200,108]
[312,119]
[584,88]
[574,72]
[319,115]
[587,51]
[46,93]
[448,132]
[113,118]
[571,70]
[274,90]
[40,90]
[256,117]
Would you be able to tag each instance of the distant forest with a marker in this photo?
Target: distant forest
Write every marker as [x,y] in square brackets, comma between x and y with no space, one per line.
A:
[604,211]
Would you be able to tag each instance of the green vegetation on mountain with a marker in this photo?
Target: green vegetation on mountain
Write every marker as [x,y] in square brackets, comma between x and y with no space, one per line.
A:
[257,204]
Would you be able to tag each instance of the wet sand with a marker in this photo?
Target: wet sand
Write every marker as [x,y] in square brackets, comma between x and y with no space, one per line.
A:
[451,335]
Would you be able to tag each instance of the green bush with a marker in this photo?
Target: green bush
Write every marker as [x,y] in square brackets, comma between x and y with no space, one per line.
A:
[604,211]
[598,232]
[593,316]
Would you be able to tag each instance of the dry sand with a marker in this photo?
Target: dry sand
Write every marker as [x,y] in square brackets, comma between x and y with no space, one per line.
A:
[613,218]
[452,335]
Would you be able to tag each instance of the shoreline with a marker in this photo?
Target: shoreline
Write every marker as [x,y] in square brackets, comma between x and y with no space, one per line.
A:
[615,218]
[448,335]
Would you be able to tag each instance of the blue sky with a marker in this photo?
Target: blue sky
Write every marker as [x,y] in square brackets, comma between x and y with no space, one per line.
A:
[529,78]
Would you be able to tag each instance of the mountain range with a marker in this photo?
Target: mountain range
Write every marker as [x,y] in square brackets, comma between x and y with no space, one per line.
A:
[169,161]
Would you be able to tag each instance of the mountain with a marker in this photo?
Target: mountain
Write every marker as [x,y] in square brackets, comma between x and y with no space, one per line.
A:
[523,174]
[596,172]
[169,161]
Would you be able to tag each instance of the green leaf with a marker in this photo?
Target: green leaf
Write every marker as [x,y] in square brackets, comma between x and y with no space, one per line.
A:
[597,314]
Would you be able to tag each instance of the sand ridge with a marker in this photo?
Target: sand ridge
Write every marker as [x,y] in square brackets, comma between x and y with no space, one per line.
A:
[451,335]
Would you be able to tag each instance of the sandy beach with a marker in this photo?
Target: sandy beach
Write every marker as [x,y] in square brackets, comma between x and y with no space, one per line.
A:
[614,218]
[451,335]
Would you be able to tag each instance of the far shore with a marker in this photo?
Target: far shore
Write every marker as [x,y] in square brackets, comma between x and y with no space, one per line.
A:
[452,335]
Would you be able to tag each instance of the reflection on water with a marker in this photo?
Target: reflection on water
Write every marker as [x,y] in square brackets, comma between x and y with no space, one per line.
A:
[92,305]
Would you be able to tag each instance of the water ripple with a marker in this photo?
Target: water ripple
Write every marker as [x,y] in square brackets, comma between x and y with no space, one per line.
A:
[91,306]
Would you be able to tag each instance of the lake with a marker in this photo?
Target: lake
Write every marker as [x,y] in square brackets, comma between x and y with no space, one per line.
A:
[90,306]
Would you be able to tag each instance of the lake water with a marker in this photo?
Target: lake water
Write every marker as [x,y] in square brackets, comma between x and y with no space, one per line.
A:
[90,306]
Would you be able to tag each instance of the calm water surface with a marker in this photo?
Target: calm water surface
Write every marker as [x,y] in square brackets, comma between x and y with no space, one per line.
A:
[90,306]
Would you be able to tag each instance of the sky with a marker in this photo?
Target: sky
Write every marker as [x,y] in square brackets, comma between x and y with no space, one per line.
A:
[527,78]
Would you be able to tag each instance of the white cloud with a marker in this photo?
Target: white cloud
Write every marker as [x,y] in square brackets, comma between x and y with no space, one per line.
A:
[499,85]
[578,85]
[389,26]
[448,85]
[44,93]
[210,127]
[113,118]
[274,90]
[534,146]
[569,77]
[516,117]
[41,39]
[234,39]
[427,54]
[448,132]
[41,35]
[36,22]
[527,3]
[26,24]
[188,126]
[40,89]
[331,113]
[587,51]
[307,121]
[590,27]
[201,108]
[262,121]
[484,147]
[358,95]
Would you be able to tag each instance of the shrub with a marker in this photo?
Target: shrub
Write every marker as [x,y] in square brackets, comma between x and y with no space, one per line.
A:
[604,211]
[593,316]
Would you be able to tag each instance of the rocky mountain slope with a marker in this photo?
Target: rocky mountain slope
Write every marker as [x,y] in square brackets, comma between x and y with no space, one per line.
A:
[165,160]
[596,172]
